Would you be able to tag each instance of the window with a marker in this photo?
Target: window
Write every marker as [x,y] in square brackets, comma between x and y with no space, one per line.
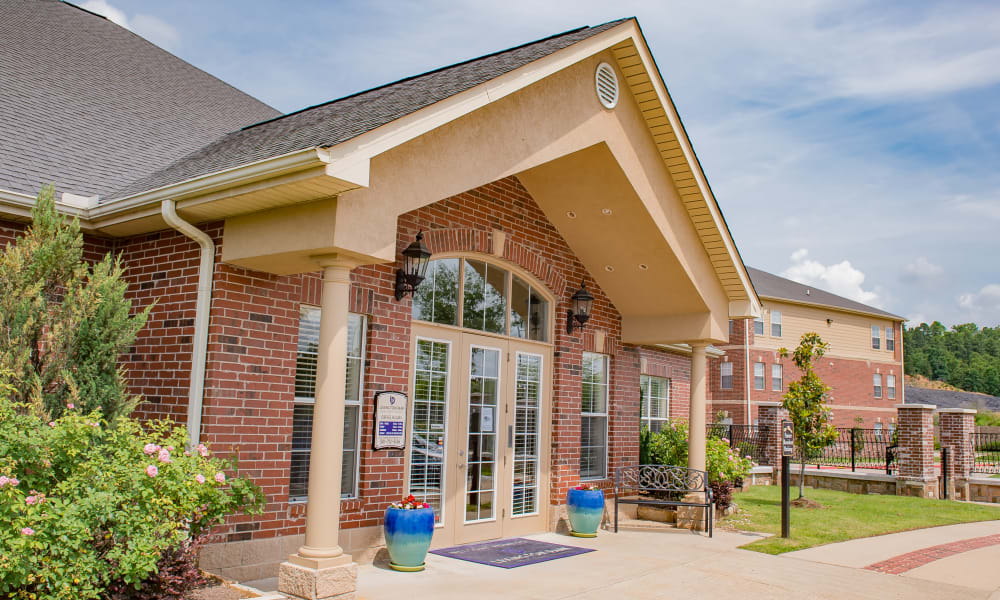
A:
[758,326]
[878,431]
[890,384]
[776,383]
[427,430]
[890,338]
[877,379]
[305,398]
[876,341]
[726,372]
[594,417]
[654,402]
[775,323]
[492,299]
[758,376]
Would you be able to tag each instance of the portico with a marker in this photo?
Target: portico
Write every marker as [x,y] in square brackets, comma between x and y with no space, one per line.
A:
[631,215]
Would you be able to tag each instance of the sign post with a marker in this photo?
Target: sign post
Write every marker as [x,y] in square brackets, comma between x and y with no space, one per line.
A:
[787,448]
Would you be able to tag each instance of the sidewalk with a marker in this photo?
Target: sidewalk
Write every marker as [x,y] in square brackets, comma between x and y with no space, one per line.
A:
[965,554]
[640,565]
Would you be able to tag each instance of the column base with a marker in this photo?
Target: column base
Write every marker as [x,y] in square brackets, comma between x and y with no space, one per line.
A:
[323,582]
[923,488]
[692,517]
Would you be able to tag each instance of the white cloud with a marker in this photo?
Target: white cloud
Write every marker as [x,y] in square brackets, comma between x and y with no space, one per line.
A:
[113,14]
[922,268]
[153,29]
[985,303]
[840,278]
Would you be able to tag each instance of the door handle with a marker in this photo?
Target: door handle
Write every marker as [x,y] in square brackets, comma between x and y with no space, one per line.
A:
[461,465]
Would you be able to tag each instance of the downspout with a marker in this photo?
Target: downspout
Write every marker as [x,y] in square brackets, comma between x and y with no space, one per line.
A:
[203,304]
[747,323]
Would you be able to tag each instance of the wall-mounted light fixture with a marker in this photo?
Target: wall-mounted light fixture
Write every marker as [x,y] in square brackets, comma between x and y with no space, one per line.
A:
[829,322]
[579,313]
[416,257]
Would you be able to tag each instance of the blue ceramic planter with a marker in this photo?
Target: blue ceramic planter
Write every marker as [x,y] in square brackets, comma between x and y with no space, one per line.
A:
[408,536]
[585,508]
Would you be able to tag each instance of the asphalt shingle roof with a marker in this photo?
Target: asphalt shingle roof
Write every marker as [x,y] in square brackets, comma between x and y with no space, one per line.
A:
[772,286]
[90,106]
[340,120]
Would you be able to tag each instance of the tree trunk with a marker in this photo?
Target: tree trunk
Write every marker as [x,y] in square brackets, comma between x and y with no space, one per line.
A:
[802,472]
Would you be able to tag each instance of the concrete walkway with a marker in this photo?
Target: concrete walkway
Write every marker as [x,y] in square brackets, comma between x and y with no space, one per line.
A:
[643,565]
[966,554]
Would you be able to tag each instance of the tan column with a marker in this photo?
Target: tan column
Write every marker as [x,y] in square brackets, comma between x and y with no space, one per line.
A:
[323,508]
[696,414]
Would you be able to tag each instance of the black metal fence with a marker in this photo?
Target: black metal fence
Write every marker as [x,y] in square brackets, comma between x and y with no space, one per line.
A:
[857,448]
[748,440]
[986,449]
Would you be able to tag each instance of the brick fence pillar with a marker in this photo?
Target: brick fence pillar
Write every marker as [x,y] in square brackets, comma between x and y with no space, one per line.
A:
[770,415]
[957,426]
[917,475]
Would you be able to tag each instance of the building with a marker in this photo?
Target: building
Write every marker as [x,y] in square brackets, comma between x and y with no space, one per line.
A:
[273,245]
[863,366]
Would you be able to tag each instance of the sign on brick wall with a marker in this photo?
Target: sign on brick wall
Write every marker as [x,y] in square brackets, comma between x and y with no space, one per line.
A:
[390,420]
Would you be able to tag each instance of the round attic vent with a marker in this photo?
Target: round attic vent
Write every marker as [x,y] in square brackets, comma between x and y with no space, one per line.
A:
[607,85]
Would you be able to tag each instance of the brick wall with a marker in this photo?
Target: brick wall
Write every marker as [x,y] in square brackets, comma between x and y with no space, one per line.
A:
[249,390]
[850,380]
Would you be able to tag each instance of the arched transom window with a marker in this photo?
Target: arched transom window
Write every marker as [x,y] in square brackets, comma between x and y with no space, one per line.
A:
[492,299]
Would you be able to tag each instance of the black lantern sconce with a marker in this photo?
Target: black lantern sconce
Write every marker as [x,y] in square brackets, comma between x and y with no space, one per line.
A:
[416,257]
[579,313]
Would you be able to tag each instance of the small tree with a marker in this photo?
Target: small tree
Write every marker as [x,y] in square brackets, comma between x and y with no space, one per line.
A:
[806,403]
[63,322]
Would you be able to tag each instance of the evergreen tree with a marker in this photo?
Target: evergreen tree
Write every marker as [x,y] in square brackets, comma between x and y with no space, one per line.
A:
[64,322]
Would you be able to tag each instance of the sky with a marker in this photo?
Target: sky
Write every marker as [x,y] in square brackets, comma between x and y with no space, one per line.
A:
[853,146]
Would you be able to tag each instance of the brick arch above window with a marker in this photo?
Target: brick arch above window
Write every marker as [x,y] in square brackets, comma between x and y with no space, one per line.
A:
[478,241]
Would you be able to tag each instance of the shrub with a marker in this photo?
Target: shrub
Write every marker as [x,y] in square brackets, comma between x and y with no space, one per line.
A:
[670,447]
[88,507]
[176,574]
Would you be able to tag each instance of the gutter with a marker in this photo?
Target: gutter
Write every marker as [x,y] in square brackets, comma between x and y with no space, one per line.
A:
[747,324]
[203,304]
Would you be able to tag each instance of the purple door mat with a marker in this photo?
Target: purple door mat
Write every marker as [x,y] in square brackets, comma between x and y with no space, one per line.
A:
[511,552]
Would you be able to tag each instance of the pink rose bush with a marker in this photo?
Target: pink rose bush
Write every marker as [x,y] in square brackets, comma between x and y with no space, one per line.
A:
[91,509]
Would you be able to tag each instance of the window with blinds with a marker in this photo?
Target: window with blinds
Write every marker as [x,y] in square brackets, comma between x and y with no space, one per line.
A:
[654,402]
[594,417]
[305,398]
[726,375]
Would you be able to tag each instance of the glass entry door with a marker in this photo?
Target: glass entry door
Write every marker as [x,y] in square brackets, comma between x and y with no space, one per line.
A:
[482,416]
[478,449]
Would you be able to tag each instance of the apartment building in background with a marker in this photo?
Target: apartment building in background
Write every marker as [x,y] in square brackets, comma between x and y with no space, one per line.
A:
[863,366]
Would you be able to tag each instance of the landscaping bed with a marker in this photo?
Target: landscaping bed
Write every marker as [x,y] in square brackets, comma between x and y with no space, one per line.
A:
[843,516]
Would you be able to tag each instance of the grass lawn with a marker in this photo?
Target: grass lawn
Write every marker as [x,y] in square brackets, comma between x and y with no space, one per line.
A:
[843,517]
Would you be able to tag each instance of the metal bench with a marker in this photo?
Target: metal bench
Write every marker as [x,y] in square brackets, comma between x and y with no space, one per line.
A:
[645,481]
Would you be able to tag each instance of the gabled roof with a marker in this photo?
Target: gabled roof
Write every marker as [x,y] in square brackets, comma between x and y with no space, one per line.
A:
[340,120]
[779,288]
[89,105]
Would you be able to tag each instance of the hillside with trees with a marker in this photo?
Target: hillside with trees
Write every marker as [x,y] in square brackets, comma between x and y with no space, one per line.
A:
[964,356]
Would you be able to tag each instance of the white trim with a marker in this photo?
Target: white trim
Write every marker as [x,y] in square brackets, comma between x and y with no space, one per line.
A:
[539,426]
[606,414]
[496,433]
[447,420]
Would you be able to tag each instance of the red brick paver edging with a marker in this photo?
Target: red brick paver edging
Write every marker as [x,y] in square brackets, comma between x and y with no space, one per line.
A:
[918,558]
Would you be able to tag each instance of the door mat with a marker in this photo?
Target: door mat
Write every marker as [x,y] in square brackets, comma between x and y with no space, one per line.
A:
[510,553]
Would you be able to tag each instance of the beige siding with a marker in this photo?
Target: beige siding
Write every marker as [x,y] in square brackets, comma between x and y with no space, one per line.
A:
[849,335]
